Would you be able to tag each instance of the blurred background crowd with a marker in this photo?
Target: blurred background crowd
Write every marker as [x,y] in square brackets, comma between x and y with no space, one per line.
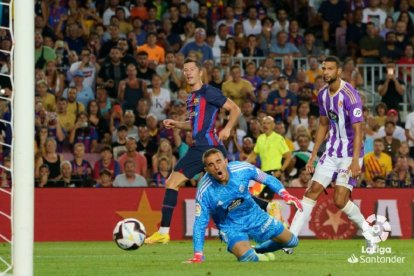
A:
[109,71]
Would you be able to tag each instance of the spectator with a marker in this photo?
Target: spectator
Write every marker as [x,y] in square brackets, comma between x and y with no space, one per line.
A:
[156,54]
[42,53]
[144,71]
[391,144]
[308,47]
[406,59]
[391,89]
[252,24]
[238,89]
[112,72]
[50,158]
[281,47]
[54,78]
[137,31]
[124,26]
[132,154]
[251,49]
[222,35]
[374,14]
[74,107]
[381,114]
[67,180]
[265,38]
[111,11]
[127,56]
[145,145]
[313,70]
[105,179]
[302,117]
[84,133]
[129,178]
[119,146]
[131,89]
[47,99]
[96,120]
[370,45]
[171,76]
[160,98]
[403,7]
[246,150]
[199,46]
[331,12]
[74,38]
[389,52]
[294,36]
[189,32]
[202,20]
[289,70]
[280,129]
[84,94]
[255,129]
[302,181]
[43,179]
[106,162]
[377,163]
[81,168]
[164,150]
[401,176]
[409,132]
[388,27]
[104,103]
[354,33]
[65,119]
[281,103]
[128,119]
[177,21]
[351,74]
[229,20]
[281,22]
[164,169]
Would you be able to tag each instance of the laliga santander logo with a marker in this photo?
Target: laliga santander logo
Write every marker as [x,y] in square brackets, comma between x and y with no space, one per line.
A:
[380,229]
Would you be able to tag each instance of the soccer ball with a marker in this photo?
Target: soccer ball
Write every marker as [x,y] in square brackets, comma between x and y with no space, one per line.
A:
[129,234]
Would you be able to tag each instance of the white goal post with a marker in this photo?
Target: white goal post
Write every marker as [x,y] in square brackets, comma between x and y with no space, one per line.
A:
[23,137]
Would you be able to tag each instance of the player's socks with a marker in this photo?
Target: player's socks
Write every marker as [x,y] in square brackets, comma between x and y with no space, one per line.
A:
[262,203]
[354,214]
[170,201]
[271,245]
[249,256]
[301,217]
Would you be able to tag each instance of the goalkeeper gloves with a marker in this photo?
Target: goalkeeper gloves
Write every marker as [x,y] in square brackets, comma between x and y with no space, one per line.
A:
[197,258]
[291,200]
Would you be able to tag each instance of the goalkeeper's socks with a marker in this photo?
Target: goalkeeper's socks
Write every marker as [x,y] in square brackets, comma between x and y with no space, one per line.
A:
[170,201]
[271,245]
[301,217]
[249,256]
[262,203]
[354,214]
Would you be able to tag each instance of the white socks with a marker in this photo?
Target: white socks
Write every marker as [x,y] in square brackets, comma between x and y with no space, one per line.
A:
[354,214]
[301,217]
[164,230]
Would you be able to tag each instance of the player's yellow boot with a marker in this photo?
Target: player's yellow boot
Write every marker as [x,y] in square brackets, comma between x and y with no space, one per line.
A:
[157,237]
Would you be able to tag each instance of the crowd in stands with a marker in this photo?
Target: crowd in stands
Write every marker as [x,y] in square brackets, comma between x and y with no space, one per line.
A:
[108,73]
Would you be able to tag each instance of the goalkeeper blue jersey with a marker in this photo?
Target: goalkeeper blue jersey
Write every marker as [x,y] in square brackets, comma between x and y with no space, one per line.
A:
[230,204]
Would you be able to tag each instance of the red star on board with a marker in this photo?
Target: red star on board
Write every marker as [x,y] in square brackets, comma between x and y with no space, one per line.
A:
[144,214]
[334,220]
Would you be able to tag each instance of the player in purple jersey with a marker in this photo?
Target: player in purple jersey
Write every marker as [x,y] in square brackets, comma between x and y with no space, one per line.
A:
[340,110]
[203,106]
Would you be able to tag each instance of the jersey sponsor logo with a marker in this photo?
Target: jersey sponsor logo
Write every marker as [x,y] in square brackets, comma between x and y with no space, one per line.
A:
[333,116]
[234,204]
[197,210]
[330,223]
[357,112]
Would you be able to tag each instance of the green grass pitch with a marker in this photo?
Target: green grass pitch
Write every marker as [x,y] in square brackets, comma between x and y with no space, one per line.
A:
[312,257]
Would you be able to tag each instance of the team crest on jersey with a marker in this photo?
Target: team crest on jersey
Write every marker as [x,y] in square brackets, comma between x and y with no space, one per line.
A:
[357,112]
[193,114]
[196,101]
[333,116]
[197,210]
[340,104]
[241,188]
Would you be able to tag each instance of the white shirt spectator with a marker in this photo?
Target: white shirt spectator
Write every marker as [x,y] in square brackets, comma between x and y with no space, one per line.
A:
[159,102]
[89,73]
[376,16]
[399,133]
[193,6]
[409,126]
[277,27]
[249,29]
[122,181]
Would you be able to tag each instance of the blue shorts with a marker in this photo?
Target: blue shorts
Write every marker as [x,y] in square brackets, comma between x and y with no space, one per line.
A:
[261,227]
[191,163]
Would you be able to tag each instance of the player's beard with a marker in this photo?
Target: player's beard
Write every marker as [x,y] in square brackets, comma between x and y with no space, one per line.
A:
[331,80]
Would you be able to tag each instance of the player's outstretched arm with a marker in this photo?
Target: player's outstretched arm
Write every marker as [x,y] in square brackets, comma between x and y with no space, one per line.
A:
[234,110]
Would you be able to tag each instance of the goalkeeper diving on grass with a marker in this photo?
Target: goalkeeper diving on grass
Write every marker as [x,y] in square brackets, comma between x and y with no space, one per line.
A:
[223,193]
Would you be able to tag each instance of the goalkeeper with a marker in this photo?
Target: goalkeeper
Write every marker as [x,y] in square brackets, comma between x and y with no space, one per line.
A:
[223,193]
